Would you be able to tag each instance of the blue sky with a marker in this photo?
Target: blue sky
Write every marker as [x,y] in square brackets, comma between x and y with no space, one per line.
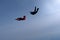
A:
[45,25]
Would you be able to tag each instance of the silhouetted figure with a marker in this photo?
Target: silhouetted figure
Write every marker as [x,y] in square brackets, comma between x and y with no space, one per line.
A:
[19,19]
[35,11]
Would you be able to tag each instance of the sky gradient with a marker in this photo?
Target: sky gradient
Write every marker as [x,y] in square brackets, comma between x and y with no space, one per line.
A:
[45,25]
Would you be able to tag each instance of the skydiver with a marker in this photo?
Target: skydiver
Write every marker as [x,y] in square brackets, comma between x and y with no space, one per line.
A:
[35,11]
[19,19]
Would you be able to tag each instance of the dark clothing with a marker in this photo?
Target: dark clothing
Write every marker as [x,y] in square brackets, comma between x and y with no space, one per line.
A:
[35,11]
[24,18]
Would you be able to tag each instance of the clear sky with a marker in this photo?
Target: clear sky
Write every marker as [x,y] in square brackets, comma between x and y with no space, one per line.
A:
[45,25]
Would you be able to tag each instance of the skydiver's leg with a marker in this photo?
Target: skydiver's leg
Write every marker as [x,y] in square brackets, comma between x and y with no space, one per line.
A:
[35,9]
